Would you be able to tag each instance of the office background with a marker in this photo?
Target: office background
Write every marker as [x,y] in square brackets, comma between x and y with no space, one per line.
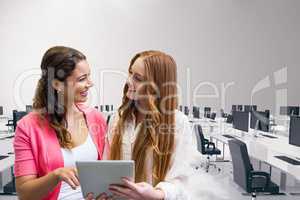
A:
[237,42]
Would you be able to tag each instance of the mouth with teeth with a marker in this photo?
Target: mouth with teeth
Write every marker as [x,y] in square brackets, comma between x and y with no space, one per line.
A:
[84,94]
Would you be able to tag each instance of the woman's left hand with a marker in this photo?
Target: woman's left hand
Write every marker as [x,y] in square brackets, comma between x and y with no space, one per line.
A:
[136,191]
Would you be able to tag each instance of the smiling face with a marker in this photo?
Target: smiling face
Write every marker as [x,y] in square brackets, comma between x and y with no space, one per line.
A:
[135,79]
[79,82]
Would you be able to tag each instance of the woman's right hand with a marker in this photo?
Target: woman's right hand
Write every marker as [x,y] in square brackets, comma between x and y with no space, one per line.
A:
[68,175]
[102,196]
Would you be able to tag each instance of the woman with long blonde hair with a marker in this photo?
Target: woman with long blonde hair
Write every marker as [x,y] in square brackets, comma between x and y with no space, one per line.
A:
[150,130]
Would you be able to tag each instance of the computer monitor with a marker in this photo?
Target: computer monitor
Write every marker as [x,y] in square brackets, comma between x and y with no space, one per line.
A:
[207,111]
[28,108]
[241,120]
[289,110]
[283,110]
[240,107]
[233,108]
[107,108]
[293,110]
[260,120]
[196,112]
[294,132]
[1,110]
[249,108]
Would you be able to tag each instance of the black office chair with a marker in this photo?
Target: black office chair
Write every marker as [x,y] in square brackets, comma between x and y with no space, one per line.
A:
[243,173]
[17,115]
[213,116]
[229,119]
[205,147]
[186,110]
[180,108]
[196,112]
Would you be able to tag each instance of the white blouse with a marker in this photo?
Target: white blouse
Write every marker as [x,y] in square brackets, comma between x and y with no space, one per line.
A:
[84,152]
[174,185]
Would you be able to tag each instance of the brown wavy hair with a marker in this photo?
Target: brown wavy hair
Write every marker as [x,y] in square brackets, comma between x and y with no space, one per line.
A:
[157,130]
[58,63]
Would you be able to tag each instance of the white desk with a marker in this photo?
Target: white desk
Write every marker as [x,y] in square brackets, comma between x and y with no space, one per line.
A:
[265,149]
[6,147]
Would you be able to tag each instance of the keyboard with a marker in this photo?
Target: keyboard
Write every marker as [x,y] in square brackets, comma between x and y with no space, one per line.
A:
[269,136]
[228,136]
[288,160]
[2,157]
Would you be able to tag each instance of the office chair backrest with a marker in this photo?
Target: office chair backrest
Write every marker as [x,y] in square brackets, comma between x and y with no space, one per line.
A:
[200,139]
[240,161]
[180,108]
[196,112]
[229,119]
[213,116]
[17,115]
[186,110]
[207,112]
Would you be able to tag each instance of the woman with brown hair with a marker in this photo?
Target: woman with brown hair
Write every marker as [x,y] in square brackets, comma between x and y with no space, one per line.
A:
[59,131]
[149,130]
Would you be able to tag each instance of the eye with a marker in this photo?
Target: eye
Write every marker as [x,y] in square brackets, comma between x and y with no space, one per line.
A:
[136,78]
[83,78]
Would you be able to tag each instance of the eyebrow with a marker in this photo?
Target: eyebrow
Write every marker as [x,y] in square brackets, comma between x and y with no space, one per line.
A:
[130,70]
[84,75]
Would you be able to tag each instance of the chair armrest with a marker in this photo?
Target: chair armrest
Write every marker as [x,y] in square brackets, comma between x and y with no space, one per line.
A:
[10,122]
[266,175]
[212,144]
[206,141]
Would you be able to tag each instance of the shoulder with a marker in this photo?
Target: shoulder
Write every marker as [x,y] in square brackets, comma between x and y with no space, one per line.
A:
[32,120]
[92,113]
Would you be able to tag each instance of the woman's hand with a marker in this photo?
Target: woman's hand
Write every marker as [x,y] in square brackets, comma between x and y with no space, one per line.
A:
[102,196]
[136,191]
[68,175]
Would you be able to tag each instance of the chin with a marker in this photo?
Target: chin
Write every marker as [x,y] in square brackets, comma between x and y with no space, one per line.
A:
[81,99]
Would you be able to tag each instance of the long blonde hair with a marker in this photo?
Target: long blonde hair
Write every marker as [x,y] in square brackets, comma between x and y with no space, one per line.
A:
[157,130]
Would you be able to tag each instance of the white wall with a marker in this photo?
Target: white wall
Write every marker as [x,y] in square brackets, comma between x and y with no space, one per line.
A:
[215,41]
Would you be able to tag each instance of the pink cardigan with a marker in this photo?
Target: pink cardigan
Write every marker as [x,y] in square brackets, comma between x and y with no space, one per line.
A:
[37,150]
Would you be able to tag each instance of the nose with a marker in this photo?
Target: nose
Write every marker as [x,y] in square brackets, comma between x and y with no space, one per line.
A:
[129,81]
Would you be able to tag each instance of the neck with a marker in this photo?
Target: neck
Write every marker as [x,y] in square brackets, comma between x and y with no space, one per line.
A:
[72,110]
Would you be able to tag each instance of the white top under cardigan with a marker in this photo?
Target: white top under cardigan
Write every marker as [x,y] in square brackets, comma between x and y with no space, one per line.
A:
[181,165]
[84,152]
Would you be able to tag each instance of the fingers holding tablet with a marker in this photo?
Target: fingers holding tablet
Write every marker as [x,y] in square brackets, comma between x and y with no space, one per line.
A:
[68,175]
[102,196]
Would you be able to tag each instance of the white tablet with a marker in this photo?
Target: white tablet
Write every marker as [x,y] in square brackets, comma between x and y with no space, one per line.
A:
[96,176]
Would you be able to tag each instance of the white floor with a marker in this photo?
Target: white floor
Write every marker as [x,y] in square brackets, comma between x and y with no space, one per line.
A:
[216,185]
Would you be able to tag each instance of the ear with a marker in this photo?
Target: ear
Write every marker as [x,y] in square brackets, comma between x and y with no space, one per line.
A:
[57,85]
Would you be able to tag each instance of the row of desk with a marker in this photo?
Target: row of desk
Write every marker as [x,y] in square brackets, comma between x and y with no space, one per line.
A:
[261,146]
